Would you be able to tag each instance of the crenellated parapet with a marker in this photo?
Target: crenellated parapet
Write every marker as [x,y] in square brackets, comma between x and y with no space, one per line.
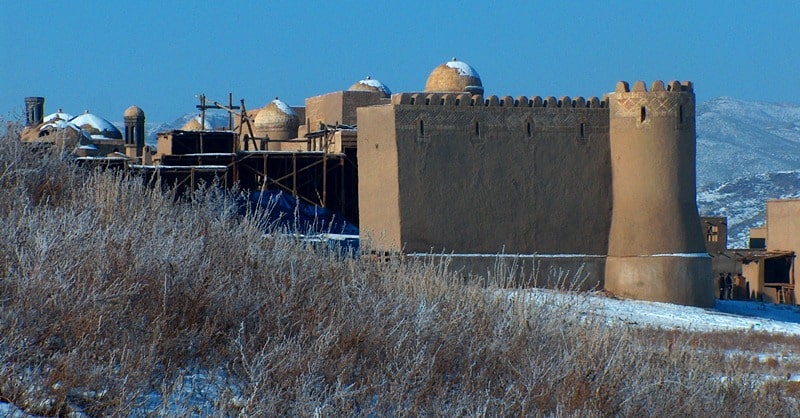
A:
[477,100]
[674,99]
[657,86]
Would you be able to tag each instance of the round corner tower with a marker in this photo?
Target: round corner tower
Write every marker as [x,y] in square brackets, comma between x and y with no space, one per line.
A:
[656,250]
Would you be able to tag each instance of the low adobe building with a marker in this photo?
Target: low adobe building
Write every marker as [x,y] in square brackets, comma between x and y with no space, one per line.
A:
[769,269]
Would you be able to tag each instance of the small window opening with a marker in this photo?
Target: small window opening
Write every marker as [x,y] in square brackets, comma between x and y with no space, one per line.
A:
[680,114]
[441,102]
[644,114]
[583,131]
[458,102]
[427,101]
[421,128]
[529,129]
[412,100]
[477,129]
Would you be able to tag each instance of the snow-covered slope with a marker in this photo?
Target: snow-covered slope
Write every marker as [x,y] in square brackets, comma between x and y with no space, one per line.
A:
[737,138]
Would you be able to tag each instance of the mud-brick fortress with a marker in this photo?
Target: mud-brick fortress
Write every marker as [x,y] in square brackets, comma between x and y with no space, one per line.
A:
[603,187]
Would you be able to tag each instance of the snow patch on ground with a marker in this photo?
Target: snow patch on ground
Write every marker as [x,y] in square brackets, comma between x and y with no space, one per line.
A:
[727,315]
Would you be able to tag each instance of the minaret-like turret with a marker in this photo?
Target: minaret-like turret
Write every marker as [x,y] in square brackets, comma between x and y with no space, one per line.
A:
[655,249]
[134,131]
[34,110]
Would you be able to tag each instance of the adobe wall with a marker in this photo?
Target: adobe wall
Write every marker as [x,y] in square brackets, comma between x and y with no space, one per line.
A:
[464,174]
[783,225]
[754,272]
[758,232]
[338,106]
[378,181]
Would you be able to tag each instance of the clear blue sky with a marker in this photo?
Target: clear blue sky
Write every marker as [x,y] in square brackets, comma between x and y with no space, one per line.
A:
[107,55]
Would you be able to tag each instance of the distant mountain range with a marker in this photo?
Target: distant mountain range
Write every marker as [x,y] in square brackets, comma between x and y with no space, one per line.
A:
[747,152]
[216,120]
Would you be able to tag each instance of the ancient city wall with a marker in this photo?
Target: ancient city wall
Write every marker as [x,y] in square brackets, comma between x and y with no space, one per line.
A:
[468,174]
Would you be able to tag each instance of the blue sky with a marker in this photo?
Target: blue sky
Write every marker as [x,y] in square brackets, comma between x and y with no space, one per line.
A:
[107,55]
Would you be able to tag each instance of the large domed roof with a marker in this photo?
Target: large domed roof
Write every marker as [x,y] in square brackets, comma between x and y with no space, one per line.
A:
[369,84]
[96,126]
[277,115]
[134,112]
[454,76]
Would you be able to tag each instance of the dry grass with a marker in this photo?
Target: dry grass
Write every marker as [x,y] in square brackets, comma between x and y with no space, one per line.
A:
[112,293]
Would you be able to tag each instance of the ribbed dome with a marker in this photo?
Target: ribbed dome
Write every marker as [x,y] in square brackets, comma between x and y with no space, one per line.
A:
[368,84]
[134,112]
[277,115]
[454,76]
[96,126]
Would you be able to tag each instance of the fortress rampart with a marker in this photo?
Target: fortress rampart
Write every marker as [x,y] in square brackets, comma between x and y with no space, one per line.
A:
[452,176]
[477,100]
[580,178]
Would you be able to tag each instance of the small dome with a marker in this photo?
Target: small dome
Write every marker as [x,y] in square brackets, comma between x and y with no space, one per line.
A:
[454,76]
[368,84]
[96,126]
[194,124]
[277,115]
[134,112]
